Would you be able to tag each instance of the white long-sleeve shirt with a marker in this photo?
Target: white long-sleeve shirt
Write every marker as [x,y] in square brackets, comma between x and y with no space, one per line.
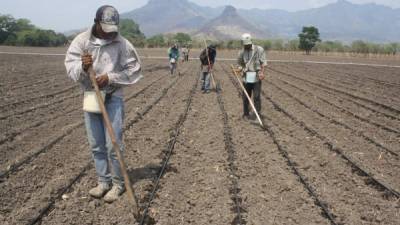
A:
[117,58]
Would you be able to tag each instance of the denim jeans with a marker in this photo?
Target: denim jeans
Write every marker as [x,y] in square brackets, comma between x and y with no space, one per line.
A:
[253,89]
[206,81]
[100,143]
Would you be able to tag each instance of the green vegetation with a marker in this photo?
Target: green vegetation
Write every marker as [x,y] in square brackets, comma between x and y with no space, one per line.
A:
[21,32]
[130,30]
[356,47]
[308,39]
[182,38]
[156,41]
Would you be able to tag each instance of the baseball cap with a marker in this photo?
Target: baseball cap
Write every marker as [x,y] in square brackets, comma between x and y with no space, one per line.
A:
[246,39]
[108,17]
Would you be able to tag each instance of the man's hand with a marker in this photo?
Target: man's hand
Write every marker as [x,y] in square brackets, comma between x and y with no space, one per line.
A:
[87,61]
[102,80]
[261,76]
[239,70]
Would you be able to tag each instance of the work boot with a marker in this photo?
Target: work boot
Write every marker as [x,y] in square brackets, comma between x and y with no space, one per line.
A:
[114,194]
[100,190]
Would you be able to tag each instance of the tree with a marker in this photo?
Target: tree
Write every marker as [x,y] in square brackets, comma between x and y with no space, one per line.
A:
[391,48]
[359,47]
[23,24]
[7,27]
[22,32]
[308,39]
[233,44]
[156,41]
[182,38]
[292,45]
[266,44]
[131,31]
[277,44]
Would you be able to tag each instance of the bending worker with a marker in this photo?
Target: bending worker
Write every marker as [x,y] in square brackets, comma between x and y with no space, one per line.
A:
[116,64]
[252,61]
[207,59]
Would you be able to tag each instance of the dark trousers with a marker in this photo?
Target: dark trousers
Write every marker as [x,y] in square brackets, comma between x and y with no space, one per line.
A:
[255,90]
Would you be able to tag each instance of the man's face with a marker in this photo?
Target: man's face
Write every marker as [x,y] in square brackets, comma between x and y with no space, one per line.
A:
[103,35]
[248,47]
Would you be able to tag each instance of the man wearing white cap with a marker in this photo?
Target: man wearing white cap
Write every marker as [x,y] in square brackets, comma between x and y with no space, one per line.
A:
[116,64]
[252,61]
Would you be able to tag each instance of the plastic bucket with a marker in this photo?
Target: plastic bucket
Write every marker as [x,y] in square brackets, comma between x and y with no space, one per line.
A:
[90,103]
[251,77]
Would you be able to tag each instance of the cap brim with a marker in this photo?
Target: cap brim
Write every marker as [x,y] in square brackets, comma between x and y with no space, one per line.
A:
[109,28]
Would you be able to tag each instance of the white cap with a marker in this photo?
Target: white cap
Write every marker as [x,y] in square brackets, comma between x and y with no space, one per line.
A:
[108,17]
[246,39]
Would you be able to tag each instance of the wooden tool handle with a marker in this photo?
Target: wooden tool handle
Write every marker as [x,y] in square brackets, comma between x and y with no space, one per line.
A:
[110,130]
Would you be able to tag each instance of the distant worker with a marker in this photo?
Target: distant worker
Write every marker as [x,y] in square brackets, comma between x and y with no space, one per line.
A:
[188,53]
[116,64]
[185,53]
[207,59]
[173,54]
[252,61]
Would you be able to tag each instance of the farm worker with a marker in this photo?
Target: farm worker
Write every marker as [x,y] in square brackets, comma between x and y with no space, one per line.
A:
[185,53]
[116,64]
[207,59]
[173,54]
[252,61]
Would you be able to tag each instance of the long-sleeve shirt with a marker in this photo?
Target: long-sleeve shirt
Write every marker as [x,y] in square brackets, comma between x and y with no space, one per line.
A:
[173,53]
[212,55]
[117,58]
[258,60]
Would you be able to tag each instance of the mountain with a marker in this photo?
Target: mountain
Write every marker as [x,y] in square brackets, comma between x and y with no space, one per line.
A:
[229,25]
[162,16]
[341,20]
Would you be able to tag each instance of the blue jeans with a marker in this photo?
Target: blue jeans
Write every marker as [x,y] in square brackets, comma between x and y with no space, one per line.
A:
[100,142]
[206,81]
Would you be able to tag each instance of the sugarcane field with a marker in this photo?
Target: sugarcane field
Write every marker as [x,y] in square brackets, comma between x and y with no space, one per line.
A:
[192,112]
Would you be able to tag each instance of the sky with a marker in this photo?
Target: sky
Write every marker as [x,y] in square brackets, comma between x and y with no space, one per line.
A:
[66,15]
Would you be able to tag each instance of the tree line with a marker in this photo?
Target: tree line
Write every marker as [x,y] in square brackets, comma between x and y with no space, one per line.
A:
[309,41]
[21,32]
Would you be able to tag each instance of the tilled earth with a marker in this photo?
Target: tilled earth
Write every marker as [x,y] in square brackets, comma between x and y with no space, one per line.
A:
[328,152]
